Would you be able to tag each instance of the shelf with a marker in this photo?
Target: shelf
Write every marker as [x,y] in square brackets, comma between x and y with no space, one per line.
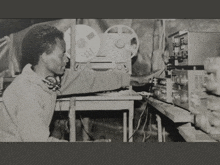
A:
[190,134]
[176,114]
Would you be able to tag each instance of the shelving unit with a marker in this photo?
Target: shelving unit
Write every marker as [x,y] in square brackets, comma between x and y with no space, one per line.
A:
[182,116]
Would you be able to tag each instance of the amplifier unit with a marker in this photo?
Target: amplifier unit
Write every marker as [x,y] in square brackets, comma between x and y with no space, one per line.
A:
[192,48]
[162,89]
[188,89]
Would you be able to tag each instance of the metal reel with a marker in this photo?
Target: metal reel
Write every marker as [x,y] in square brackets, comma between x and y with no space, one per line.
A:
[87,42]
[134,42]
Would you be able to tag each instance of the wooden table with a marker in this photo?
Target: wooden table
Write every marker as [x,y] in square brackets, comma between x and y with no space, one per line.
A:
[179,115]
[100,102]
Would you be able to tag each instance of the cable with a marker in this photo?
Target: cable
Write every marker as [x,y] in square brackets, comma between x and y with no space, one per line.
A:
[90,136]
[137,125]
[145,125]
[150,127]
[138,122]
[162,71]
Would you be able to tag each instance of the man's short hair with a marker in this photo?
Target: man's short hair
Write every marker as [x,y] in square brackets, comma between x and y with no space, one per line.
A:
[39,39]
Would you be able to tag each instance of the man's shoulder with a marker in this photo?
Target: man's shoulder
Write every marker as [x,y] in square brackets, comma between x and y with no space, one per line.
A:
[19,85]
[17,82]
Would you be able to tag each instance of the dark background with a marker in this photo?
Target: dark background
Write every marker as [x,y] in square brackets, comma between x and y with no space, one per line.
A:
[8,26]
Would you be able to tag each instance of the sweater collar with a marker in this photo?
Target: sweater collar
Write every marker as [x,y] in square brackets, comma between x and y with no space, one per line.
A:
[35,78]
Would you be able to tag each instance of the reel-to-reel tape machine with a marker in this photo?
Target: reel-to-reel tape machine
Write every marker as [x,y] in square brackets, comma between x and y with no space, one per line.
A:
[108,51]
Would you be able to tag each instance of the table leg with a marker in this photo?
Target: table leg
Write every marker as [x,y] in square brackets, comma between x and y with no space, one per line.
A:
[72,117]
[72,120]
[86,127]
[124,126]
[131,117]
[159,127]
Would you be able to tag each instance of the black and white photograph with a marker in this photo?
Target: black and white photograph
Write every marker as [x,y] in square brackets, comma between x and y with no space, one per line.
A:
[109,80]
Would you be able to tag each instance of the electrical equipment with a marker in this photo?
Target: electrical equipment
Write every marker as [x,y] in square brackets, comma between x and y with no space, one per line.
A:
[131,43]
[162,89]
[87,42]
[188,90]
[106,52]
[113,50]
[192,48]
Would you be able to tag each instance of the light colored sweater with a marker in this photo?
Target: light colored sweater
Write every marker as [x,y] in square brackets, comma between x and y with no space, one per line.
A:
[27,110]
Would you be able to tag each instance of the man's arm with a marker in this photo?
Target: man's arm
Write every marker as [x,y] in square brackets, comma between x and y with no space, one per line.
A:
[31,126]
[92,81]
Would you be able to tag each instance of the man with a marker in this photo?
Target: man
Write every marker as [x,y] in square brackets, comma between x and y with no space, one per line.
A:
[29,101]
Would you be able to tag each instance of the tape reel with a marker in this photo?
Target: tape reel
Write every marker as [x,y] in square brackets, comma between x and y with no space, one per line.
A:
[117,41]
[87,42]
[134,43]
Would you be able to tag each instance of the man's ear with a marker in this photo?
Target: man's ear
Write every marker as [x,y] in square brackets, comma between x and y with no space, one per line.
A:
[43,58]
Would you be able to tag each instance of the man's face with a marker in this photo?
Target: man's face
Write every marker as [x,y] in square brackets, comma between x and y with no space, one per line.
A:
[56,61]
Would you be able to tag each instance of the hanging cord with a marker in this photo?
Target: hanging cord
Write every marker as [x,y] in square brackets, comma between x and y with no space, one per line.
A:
[138,121]
[137,125]
[150,124]
[162,71]
[83,126]
[145,122]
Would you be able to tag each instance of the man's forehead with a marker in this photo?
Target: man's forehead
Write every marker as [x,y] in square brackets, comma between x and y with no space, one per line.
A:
[61,44]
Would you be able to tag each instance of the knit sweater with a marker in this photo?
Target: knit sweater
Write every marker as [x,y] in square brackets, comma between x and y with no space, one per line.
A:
[27,110]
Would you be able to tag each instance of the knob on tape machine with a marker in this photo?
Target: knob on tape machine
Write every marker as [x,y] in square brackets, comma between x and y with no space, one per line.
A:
[120,44]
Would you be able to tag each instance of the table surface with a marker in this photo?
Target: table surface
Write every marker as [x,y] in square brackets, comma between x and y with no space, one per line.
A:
[122,95]
[176,114]
[191,134]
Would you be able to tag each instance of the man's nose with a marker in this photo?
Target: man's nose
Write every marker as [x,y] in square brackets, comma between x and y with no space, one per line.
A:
[66,59]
